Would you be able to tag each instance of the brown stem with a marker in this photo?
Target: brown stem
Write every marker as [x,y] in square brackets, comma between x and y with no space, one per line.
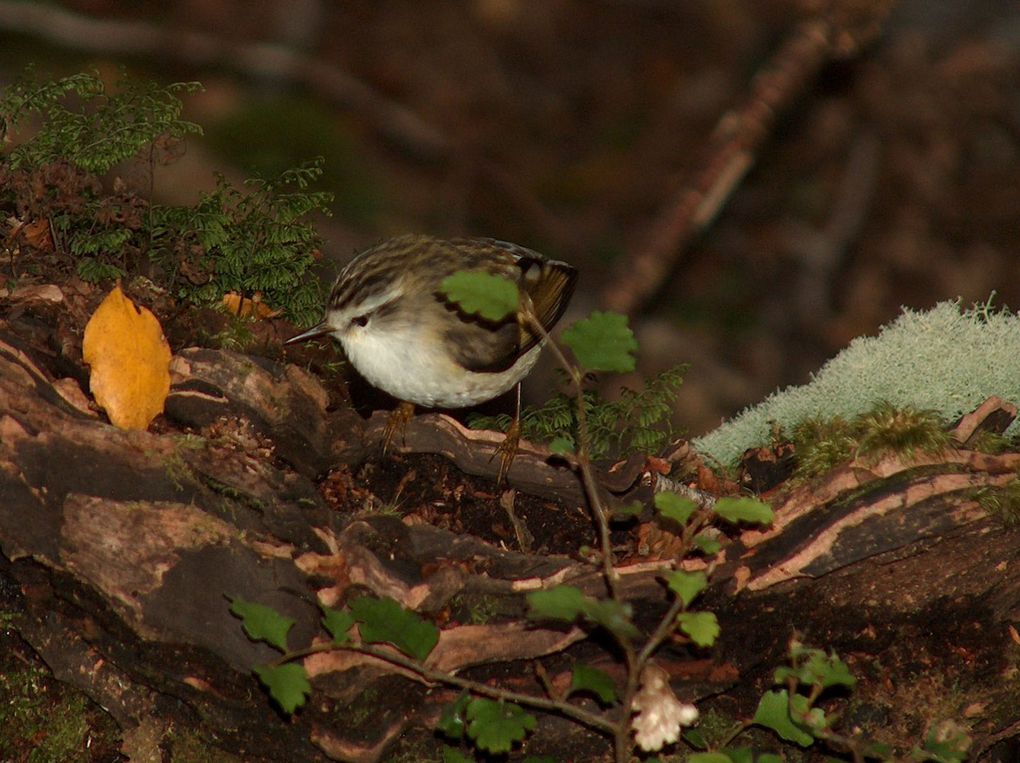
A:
[440,676]
[622,745]
[583,452]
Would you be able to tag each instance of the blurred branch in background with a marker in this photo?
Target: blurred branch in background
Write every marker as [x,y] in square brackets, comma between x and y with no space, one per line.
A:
[57,25]
[841,31]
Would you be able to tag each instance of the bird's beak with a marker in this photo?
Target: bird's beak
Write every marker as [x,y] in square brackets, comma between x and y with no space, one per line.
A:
[314,331]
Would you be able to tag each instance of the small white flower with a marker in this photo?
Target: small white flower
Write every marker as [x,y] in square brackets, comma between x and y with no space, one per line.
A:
[659,713]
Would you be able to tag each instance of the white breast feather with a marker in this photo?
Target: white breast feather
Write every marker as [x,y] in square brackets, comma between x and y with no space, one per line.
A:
[401,365]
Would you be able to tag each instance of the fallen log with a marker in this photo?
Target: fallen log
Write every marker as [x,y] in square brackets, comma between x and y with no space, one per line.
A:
[121,552]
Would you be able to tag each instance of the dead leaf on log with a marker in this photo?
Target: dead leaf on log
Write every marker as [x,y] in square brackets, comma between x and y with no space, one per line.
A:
[130,360]
[469,645]
[353,752]
[249,307]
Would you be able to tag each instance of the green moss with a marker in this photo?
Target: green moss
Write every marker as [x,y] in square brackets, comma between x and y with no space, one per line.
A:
[477,609]
[40,723]
[947,360]
[238,335]
[1002,502]
[992,443]
[188,747]
[884,429]
[822,445]
[888,429]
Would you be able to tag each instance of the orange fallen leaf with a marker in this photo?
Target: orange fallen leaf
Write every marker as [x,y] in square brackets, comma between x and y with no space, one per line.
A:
[248,307]
[130,361]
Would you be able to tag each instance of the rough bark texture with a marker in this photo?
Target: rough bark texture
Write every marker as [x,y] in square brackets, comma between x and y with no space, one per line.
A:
[120,551]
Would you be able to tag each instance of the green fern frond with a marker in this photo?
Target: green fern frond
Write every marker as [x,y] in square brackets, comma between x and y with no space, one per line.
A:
[636,423]
[254,239]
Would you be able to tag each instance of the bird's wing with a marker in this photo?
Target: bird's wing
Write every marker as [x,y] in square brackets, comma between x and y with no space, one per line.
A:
[483,346]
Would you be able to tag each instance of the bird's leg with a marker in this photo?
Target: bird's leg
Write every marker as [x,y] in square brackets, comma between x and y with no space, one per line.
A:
[397,422]
[507,449]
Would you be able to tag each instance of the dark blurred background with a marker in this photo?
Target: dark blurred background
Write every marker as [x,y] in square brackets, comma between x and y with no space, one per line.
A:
[565,125]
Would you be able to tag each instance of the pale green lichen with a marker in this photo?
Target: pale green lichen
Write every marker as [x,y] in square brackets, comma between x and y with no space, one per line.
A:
[947,359]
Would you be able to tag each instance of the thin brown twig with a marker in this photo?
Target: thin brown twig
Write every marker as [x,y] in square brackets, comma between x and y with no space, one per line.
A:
[590,720]
[583,453]
[990,740]
[734,144]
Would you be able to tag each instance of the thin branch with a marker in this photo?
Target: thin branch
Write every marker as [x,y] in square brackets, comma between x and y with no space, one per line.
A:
[735,143]
[441,676]
[583,451]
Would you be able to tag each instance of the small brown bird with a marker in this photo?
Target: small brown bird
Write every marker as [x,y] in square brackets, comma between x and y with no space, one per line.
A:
[402,333]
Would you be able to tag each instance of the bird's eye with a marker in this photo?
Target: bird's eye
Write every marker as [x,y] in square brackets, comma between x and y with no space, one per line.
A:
[360,320]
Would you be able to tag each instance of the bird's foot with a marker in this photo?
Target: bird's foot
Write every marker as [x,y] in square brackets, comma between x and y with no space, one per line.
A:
[397,423]
[507,450]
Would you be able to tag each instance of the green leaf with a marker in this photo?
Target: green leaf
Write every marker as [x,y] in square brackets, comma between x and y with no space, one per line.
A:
[490,296]
[564,602]
[495,726]
[452,722]
[709,757]
[385,621]
[288,684]
[584,678]
[774,713]
[696,739]
[829,670]
[602,342]
[338,622]
[878,750]
[567,603]
[952,749]
[811,719]
[739,754]
[771,757]
[674,507]
[819,668]
[262,623]
[743,510]
[612,615]
[561,446]
[686,585]
[702,627]
[539,759]
[707,544]
[452,755]
[628,510]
